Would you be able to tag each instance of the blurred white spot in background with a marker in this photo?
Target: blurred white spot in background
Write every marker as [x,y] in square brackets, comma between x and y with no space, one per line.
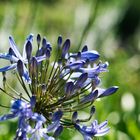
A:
[77,137]
[128,102]
[134,62]
[82,15]
[139,118]
[114,117]
[122,136]
[6,27]
[3,129]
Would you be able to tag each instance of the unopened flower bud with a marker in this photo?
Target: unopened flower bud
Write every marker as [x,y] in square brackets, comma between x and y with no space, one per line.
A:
[59,41]
[33,65]
[20,67]
[38,39]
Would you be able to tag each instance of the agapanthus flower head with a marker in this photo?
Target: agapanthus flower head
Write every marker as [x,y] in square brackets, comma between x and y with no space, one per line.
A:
[56,89]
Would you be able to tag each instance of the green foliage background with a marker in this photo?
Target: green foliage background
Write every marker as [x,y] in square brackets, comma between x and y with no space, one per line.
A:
[96,23]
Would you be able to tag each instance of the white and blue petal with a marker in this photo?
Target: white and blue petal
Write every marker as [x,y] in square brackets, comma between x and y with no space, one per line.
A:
[52,127]
[107,92]
[8,57]
[87,55]
[75,65]
[41,58]
[14,48]
[89,132]
[25,75]
[6,68]
[7,117]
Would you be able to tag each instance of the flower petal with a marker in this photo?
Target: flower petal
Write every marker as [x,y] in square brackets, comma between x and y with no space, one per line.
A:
[86,137]
[40,58]
[53,126]
[46,137]
[108,91]
[102,132]
[69,87]
[9,57]
[80,81]
[33,101]
[59,41]
[58,131]
[103,125]
[57,115]
[85,48]
[90,97]
[14,47]
[74,116]
[65,48]
[90,55]
[75,65]
[7,117]
[6,68]
[28,49]
[25,75]
[87,55]
[29,38]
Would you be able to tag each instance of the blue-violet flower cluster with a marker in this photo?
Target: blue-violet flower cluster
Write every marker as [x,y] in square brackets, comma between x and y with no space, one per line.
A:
[55,89]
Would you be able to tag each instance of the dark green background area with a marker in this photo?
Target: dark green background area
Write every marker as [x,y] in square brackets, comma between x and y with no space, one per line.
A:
[112,27]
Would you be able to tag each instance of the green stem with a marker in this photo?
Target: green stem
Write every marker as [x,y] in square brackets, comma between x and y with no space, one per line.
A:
[90,22]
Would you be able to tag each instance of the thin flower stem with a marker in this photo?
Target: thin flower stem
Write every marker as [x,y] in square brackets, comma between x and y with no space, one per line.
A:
[23,84]
[93,13]
[55,89]
[17,93]
[46,69]
[7,93]
[53,67]
[4,106]
[24,87]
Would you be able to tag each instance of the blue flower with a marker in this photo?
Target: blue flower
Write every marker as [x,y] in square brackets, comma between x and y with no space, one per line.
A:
[19,108]
[19,61]
[99,93]
[23,112]
[14,56]
[107,92]
[91,131]
[39,132]
[56,89]
[84,55]
[92,72]
[94,130]
[90,97]
[75,65]
[55,121]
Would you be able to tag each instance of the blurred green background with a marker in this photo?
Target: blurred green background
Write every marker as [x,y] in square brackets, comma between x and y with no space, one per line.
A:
[110,26]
